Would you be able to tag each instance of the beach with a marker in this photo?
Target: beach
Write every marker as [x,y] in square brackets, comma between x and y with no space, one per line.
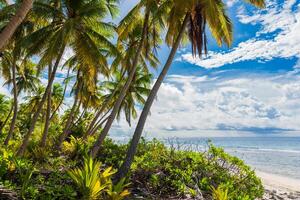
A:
[279,187]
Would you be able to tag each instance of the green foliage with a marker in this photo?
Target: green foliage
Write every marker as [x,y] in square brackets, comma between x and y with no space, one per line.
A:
[92,183]
[118,191]
[220,193]
[88,179]
[168,172]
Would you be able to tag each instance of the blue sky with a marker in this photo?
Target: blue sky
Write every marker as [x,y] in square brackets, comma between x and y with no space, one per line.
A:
[249,89]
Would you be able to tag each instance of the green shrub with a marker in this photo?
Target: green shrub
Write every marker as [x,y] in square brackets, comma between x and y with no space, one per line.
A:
[168,173]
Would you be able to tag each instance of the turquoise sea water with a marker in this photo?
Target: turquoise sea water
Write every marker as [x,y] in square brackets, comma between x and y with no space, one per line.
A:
[276,155]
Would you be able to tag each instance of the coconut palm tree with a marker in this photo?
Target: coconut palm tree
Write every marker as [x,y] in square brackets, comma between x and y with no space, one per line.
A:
[186,17]
[76,105]
[77,24]
[15,21]
[5,111]
[139,89]
[24,79]
[56,97]
[14,58]
[127,46]
[151,18]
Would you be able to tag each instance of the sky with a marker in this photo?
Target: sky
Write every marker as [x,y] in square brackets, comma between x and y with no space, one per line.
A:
[249,89]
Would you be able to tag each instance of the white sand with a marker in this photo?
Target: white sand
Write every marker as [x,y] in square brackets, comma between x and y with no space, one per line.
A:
[277,182]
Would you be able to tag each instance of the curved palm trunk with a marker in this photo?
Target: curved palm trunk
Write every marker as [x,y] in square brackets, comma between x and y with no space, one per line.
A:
[66,131]
[93,122]
[123,92]
[48,112]
[101,121]
[15,21]
[140,126]
[63,97]
[7,118]
[40,106]
[95,119]
[80,117]
[14,119]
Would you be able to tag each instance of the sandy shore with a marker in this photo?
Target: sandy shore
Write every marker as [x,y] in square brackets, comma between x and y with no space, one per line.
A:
[279,187]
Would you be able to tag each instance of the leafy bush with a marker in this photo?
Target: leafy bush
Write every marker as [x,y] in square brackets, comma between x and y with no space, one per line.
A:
[164,172]
[157,172]
[92,184]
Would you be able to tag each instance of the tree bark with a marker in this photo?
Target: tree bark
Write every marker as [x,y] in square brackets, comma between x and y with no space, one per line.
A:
[63,97]
[141,123]
[40,106]
[7,118]
[14,119]
[15,21]
[65,132]
[101,121]
[48,112]
[123,92]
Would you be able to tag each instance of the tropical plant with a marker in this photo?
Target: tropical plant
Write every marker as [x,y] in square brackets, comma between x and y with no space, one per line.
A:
[118,191]
[219,193]
[78,25]
[185,18]
[15,21]
[151,17]
[88,179]
[5,111]
[15,62]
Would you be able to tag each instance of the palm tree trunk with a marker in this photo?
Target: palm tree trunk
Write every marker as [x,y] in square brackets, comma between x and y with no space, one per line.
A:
[63,97]
[100,122]
[40,105]
[7,118]
[65,132]
[123,92]
[93,122]
[140,126]
[15,21]
[14,119]
[48,112]
[80,117]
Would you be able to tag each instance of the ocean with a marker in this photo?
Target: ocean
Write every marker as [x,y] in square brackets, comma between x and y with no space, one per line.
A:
[276,155]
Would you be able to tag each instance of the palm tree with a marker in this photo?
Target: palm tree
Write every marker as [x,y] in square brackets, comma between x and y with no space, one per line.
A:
[5,111]
[76,105]
[55,98]
[23,79]
[15,21]
[48,111]
[138,90]
[150,20]
[127,46]
[190,18]
[76,24]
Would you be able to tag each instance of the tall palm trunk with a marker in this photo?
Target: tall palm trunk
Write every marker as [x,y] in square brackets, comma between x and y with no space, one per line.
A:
[99,113]
[15,21]
[66,130]
[93,122]
[14,119]
[7,118]
[140,126]
[40,105]
[123,92]
[48,112]
[62,99]
[100,122]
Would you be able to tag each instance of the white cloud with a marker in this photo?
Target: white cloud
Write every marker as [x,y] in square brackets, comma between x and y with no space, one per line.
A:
[278,37]
[197,106]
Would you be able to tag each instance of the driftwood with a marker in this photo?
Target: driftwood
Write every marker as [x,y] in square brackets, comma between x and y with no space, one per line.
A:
[7,194]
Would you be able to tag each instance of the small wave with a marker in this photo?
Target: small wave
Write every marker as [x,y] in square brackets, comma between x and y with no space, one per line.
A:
[255,149]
